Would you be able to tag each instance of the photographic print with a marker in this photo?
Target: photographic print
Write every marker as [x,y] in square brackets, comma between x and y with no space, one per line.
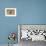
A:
[29,34]
[33,32]
[10,11]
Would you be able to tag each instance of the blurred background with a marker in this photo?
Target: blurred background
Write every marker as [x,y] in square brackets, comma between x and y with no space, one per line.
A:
[27,11]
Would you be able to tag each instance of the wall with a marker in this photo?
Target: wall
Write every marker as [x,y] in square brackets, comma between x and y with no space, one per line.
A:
[28,12]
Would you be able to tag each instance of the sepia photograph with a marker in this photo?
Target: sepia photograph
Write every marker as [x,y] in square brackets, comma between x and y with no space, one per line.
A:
[10,11]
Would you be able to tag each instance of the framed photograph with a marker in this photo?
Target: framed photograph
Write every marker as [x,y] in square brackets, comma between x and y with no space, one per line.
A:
[10,11]
[33,32]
